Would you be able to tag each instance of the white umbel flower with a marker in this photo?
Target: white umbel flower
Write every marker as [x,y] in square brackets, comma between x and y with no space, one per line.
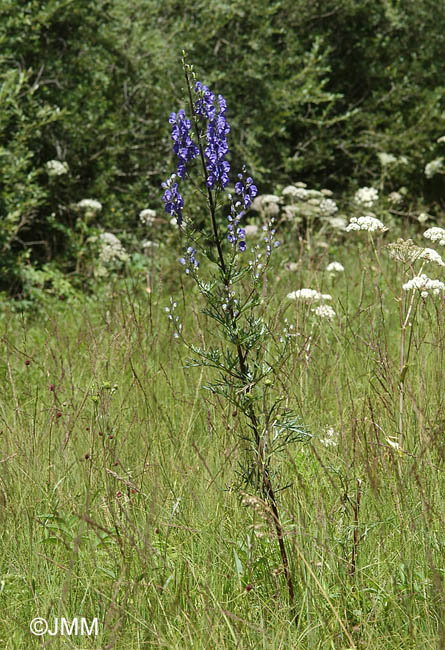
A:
[328,207]
[335,267]
[308,295]
[371,224]
[366,196]
[290,190]
[425,285]
[56,168]
[395,198]
[435,234]
[91,205]
[324,311]
[331,439]
[430,255]
[434,167]
[386,158]
[147,216]
[268,204]
[112,248]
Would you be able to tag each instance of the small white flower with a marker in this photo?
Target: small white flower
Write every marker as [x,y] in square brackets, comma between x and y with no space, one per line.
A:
[395,198]
[371,224]
[441,139]
[147,216]
[90,205]
[331,439]
[56,168]
[112,249]
[267,203]
[423,216]
[424,284]
[335,267]
[366,196]
[386,158]
[435,234]
[308,295]
[328,207]
[430,255]
[434,167]
[324,311]
[290,190]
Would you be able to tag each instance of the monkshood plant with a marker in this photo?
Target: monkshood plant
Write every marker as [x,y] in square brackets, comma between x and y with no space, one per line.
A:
[246,354]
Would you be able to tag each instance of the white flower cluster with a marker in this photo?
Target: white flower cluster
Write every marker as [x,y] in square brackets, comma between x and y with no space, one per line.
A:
[268,204]
[112,249]
[90,205]
[56,168]
[335,267]
[328,207]
[430,255]
[366,196]
[293,191]
[425,285]
[324,311]
[147,217]
[434,167]
[331,439]
[308,295]
[386,158]
[395,198]
[371,224]
[435,234]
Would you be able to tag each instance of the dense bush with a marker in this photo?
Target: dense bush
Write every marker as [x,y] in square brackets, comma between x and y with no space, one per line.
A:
[315,92]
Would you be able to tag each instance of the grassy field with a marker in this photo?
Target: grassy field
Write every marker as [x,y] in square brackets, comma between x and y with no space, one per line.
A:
[119,494]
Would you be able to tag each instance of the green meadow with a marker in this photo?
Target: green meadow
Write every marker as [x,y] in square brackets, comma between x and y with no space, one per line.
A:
[120,496]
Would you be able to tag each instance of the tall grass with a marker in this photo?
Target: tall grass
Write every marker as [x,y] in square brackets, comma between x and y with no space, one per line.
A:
[117,494]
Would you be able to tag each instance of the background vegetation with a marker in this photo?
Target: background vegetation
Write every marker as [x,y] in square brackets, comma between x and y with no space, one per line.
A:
[315,92]
[119,474]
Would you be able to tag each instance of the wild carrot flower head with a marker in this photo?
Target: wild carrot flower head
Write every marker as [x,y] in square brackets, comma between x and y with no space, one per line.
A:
[56,168]
[407,252]
[366,197]
[324,311]
[147,216]
[435,234]
[425,285]
[434,167]
[308,295]
[335,267]
[369,223]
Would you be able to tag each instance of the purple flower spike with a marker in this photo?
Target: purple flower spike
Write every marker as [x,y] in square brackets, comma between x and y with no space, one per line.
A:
[183,146]
[217,129]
